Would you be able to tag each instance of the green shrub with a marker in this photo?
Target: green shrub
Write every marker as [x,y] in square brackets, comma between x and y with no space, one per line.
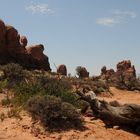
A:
[50,110]
[6,102]
[128,83]
[69,111]
[25,84]
[24,91]
[3,84]
[48,86]
[14,112]
[58,88]
[14,72]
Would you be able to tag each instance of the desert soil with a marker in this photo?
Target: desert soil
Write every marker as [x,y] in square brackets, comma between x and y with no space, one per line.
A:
[16,129]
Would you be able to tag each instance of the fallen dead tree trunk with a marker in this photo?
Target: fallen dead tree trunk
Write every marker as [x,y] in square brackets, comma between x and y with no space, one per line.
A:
[121,115]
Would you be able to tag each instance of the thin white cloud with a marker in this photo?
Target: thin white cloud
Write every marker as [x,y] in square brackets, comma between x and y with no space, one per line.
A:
[107,21]
[117,17]
[129,14]
[40,8]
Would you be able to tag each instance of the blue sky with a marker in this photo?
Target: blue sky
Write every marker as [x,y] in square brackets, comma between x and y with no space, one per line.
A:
[89,33]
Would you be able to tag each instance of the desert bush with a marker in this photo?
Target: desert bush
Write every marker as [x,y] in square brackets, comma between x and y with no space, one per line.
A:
[50,110]
[69,111]
[23,91]
[58,88]
[97,85]
[100,86]
[14,112]
[43,86]
[25,84]
[13,72]
[3,84]
[129,83]
[2,116]
[6,102]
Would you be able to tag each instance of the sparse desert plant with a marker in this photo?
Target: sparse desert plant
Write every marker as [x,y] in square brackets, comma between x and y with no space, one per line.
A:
[37,84]
[58,88]
[24,91]
[3,84]
[2,116]
[50,110]
[100,86]
[13,72]
[127,82]
[14,112]
[69,111]
[6,102]
[43,85]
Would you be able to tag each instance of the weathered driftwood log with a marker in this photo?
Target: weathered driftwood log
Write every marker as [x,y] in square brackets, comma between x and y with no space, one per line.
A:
[121,115]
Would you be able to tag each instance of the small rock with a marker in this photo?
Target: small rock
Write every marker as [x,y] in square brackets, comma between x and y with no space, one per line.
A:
[115,127]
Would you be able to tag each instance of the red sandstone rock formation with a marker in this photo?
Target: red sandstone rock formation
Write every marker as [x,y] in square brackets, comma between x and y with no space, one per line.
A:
[103,70]
[11,50]
[126,67]
[124,77]
[2,36]
[126,73]
[62,69]
[106,74]
[36,51]
[12,38]
[82,72]
[24,41]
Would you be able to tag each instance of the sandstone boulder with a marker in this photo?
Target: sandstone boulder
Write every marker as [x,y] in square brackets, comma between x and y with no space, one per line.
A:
[103,70]
[62,69]
[36,51]
[24,41]
[82,72]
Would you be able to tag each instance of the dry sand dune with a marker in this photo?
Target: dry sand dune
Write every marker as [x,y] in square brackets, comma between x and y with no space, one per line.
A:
[14,129]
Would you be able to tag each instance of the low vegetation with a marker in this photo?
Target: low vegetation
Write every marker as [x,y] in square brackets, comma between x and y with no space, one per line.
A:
[34,91]
[45,96]
[130,83]
[52,111]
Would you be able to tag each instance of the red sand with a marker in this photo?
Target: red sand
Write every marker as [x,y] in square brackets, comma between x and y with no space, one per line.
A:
[14,129]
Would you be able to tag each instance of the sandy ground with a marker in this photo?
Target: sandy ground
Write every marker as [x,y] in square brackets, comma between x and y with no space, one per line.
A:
[123,96]
[16,129]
